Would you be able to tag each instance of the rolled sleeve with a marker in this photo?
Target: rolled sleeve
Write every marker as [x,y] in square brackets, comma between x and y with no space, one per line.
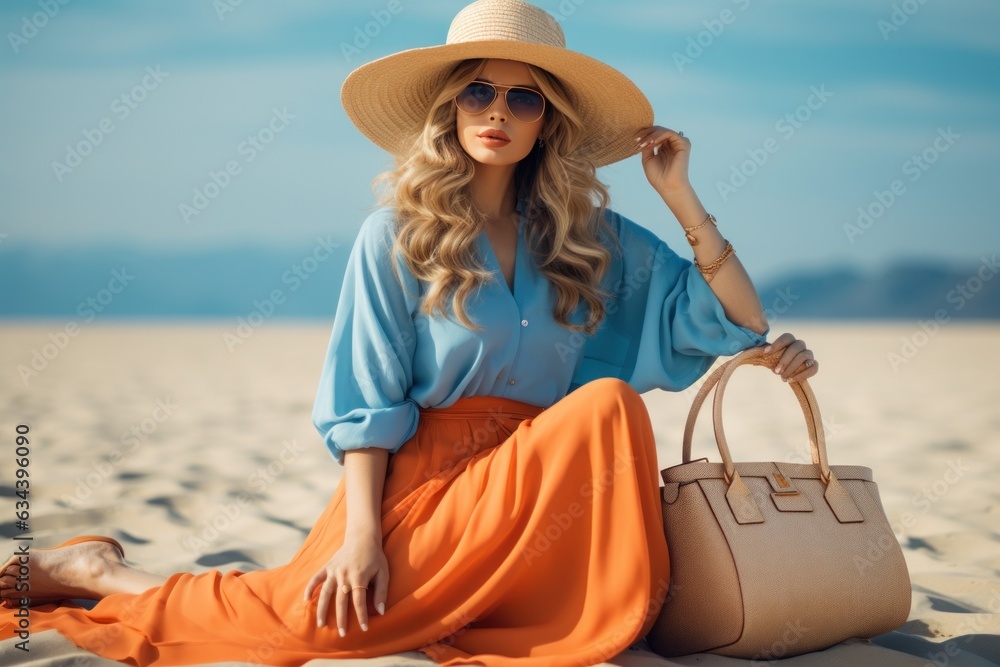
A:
[701,326]
[665,327]
[686,328]
[362,400]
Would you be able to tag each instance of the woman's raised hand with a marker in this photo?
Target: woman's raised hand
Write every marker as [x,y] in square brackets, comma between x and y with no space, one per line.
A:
[667,168]
[360,562]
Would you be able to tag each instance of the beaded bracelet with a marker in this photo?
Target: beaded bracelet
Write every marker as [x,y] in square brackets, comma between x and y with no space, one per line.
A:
[709,270]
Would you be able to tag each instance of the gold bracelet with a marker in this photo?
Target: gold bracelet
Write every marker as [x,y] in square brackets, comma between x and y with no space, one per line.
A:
[709,270]
[687,230]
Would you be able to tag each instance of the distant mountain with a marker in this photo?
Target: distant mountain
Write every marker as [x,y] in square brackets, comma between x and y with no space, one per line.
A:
[907,289]
[138,282]
[240,281]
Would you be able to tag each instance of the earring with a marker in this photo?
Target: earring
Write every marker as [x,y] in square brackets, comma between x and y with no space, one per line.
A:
[541,143]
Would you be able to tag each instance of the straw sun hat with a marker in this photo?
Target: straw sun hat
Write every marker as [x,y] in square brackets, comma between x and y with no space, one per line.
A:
[388,99]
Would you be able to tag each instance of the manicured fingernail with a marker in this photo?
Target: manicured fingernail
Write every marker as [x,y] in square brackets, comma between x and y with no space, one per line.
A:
[364,627]
[643,144]
[381,608]
[767,349]
[777,369]
[343,632]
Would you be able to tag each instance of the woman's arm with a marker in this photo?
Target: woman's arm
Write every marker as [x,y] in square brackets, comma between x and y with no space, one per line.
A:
[665,156]
[360,562]
[364,472]
[731,283]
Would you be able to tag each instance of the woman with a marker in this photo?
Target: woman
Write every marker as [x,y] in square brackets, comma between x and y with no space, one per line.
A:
[493,334]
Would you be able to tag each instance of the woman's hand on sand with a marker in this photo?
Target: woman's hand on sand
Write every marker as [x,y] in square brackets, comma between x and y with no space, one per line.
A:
[792,366]
[359,562]
[667,168]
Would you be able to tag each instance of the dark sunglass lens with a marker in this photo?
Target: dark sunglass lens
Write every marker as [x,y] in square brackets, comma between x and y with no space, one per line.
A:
[525,104]
[476,97]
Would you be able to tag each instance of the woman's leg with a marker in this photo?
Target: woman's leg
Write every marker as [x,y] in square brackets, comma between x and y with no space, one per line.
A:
[90,570]
[122,578]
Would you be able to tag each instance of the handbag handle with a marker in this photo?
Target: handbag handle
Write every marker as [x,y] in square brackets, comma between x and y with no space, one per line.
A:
[807,401]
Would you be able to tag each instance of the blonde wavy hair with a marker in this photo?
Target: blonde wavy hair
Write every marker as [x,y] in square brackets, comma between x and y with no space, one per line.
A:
[438,222]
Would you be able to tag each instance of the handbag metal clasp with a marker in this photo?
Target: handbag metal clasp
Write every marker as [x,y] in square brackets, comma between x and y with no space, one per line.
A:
[782,485]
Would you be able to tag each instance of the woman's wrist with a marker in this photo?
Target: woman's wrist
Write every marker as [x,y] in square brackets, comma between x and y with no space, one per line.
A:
[689,211]
[367,531]
[685,205]
[677,191]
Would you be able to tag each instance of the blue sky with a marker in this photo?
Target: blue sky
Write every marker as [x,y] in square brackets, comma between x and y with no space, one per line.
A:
[899,79]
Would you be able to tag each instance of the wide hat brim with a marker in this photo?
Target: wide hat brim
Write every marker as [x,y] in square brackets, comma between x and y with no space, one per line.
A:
[388,98]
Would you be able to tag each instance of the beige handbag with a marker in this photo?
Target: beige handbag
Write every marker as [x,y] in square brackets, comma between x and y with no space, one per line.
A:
[770,560]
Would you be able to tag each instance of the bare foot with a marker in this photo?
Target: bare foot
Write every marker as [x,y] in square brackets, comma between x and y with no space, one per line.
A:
[57,574]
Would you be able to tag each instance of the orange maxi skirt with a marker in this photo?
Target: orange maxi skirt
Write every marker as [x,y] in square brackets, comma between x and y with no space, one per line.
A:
[515,535]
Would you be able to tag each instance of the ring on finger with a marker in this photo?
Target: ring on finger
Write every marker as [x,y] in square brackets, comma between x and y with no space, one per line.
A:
[809,363]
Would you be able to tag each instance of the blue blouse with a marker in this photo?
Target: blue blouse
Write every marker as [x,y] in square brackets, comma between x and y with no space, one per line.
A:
[664,328]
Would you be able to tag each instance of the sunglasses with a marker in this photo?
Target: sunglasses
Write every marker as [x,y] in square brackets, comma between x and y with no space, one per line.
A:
[525,104]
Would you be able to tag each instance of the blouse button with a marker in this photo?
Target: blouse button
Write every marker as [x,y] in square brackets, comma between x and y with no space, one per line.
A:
[512,381]
[524,323]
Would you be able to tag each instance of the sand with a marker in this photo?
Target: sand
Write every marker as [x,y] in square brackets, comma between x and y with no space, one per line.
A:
[195,423]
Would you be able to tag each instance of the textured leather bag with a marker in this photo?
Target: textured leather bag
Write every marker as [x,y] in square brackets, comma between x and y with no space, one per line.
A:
[770,560]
